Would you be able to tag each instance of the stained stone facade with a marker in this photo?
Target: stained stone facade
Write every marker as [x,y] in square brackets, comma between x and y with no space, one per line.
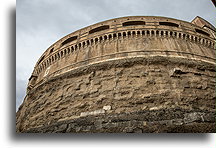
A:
[130,74]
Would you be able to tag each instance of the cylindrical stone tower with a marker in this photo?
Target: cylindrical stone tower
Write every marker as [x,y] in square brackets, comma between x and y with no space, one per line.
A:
[130,74]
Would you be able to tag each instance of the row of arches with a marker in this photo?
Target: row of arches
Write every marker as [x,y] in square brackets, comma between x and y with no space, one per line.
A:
[121,35]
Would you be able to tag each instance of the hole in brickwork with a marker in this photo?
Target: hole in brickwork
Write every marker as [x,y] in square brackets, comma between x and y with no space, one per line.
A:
[119,34]
[72,49]
[202,32]
[162,33]
[69,40]
[171,33]
[114,35]
[101,28]
[129,33]
[105,37]
[101,38]
[132,23]
[88,43]
[124,34]
[51,50]
[169,24]
[96,40]
[166,33]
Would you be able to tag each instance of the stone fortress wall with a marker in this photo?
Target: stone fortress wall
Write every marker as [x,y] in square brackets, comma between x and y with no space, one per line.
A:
[130,74]
[122,37]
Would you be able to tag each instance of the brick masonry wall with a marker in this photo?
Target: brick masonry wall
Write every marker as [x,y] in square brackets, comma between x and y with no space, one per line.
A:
[154,94]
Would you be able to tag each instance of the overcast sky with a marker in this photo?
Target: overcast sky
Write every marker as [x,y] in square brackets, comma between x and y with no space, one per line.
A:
[42,22]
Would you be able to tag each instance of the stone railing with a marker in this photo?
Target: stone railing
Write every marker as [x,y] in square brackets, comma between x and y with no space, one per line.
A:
[133,33]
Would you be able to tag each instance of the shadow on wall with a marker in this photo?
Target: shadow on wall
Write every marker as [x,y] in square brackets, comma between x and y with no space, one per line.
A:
[75,137]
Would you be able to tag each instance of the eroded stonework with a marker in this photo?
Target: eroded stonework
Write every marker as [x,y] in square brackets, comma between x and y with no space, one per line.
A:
[139,74]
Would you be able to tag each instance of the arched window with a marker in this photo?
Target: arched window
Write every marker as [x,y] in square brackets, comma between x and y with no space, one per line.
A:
[132,23]
[202,32]
[96,40]
[128,33]
[114,35]
[51,50]
[101,38]
[69,40]
[119,34]
[88,43]
[101,28]
[105,37]
[124,34]
[169,24]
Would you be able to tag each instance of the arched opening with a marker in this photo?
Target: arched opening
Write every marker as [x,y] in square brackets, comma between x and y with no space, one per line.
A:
[114,35]
[169,24]
[80,45]
[166,33]
[101,38]
[202,32]
[124,34]
[119,34]
[105,37]
[96,40]
[72,49]
[133,33]
[132,23]
[129,33]
[92,41]
[51,50]
[162,33]
[101,28]
[69,40]
[88,43]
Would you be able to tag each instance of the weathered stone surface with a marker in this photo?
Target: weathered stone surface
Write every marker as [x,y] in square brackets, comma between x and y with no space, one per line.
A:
[135,122]
[133,79]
